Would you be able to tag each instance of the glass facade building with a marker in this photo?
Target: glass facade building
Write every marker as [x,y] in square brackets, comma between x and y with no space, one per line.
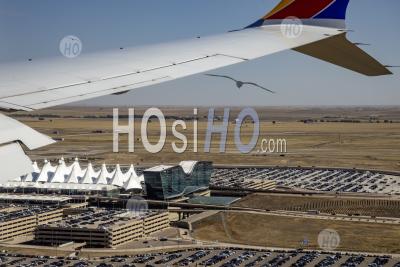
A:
[168,182]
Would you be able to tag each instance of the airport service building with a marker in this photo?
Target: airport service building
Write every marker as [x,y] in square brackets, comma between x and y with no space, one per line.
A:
[102,228]
[170,182]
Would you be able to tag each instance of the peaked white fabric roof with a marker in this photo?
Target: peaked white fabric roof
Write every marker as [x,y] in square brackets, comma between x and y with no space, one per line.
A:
[118,178]
[112,173]
[46,173]
[73,178]
[129,173]
[89,176]
[31,177]
[104,176]
[35,167]
[60,173]
[78,170]
[133,182]
[28,178]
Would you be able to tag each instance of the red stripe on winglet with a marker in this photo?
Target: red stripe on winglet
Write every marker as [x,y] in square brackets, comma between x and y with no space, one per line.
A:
[302,9]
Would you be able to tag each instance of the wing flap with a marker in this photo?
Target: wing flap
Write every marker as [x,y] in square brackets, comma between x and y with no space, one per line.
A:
[13,131]
[341,52]
[14,162]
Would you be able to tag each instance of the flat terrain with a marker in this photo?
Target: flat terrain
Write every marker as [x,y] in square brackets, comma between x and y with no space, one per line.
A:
[366,138]
[364,206]
[290,232]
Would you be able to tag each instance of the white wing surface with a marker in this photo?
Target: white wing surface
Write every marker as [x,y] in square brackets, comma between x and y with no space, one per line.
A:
[40,84]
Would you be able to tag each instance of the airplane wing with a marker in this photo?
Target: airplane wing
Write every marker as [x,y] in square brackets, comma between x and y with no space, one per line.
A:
[13,137]
[41,83]
[38,84]
[302,25]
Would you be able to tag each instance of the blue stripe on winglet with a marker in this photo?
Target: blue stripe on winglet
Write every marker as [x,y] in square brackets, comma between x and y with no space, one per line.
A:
[335,11]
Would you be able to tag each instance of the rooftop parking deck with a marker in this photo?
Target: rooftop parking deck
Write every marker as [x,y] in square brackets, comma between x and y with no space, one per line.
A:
[99,219]
[332,180]
[18,212]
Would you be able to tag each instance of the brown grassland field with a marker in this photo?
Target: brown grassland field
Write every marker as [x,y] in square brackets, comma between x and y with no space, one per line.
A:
[365,205]
[366,143]
[289,232]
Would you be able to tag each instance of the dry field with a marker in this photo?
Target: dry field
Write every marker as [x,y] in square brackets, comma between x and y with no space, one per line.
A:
[364,206]
[289,232]
[366,144]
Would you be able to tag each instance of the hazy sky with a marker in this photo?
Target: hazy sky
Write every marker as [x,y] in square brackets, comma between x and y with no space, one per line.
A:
[34,28]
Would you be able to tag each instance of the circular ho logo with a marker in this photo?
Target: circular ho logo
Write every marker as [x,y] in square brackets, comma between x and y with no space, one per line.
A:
[328,239]
[70,46]
[292,27]
[137,206]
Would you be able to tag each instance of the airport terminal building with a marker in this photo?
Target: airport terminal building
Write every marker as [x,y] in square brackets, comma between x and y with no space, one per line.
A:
[170,182]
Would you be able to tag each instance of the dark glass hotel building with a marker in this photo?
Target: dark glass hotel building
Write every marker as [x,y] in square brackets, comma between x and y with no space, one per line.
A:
[168,182]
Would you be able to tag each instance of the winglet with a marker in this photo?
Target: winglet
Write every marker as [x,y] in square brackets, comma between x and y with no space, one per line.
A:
[327,13]
[335,49]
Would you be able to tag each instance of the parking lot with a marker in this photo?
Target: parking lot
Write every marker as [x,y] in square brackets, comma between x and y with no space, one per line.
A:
[213,257]
[333,180]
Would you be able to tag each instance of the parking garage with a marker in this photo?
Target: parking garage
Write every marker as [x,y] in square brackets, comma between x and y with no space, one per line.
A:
[102,228]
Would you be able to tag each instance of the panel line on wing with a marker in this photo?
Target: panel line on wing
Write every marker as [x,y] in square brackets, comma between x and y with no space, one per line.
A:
[10,106]
[112,77]
[105,90]
[158,68]
[241,58]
